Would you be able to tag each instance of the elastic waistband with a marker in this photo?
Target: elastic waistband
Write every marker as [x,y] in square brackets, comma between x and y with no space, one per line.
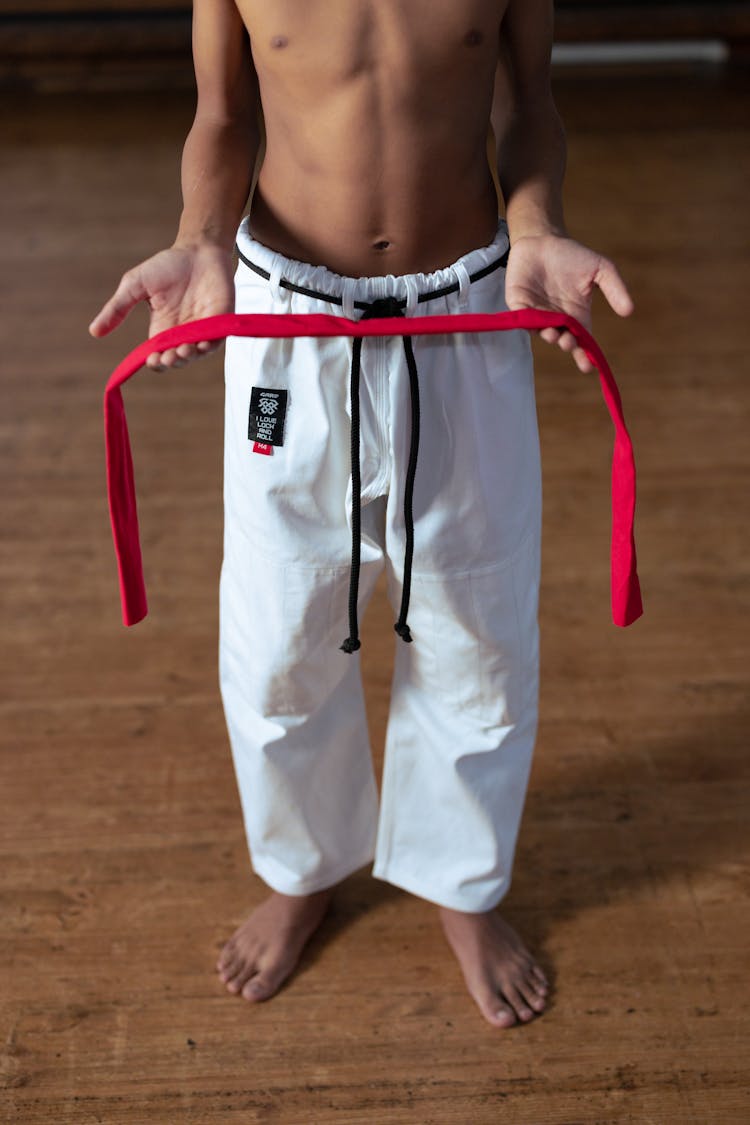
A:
[350,293]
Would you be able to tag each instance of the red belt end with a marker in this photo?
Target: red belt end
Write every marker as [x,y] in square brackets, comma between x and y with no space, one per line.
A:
[628,606]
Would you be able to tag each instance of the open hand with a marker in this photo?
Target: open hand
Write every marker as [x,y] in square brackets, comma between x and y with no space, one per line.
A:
[554,272]
[179,284]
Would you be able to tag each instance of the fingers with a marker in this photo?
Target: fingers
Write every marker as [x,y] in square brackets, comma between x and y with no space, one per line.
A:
[181,355]
[129,292]
[192,351]
[161,361]
[154,362]
[581,360]
[567,342]
[614,289]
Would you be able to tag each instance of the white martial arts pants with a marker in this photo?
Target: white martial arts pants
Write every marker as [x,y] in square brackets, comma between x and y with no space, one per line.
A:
[464,696]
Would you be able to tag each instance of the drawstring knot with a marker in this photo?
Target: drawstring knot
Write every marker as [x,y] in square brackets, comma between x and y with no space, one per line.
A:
[383,307]
[380,309]
[404,632]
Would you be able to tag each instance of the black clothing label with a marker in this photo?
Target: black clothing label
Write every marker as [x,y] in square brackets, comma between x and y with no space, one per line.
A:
[267,412]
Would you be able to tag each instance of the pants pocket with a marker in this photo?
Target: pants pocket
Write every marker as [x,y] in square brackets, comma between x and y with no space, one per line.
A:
[485,638]
[277,635]
[302,665]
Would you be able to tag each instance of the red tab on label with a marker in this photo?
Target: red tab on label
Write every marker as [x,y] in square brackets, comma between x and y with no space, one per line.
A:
[261,447]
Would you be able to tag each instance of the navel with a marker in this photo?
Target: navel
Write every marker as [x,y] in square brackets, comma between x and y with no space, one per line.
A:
[473,38]
[279,41]
[381,244]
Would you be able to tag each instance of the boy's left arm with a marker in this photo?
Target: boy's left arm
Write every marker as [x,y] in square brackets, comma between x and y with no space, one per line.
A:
[547,269]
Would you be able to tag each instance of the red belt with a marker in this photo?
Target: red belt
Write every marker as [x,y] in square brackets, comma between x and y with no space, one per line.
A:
[625,589]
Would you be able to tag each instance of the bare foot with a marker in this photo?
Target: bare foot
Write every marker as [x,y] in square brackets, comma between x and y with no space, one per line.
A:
[500,973]
[263,952]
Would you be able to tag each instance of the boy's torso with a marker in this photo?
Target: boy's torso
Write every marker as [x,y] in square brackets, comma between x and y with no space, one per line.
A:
[376,115]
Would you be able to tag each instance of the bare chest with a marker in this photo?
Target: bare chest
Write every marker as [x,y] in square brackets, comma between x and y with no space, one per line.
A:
[314,44]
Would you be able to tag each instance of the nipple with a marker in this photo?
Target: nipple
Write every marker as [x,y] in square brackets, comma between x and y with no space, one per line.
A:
[279,41]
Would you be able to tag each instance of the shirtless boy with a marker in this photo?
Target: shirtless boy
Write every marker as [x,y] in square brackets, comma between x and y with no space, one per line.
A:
[376,117]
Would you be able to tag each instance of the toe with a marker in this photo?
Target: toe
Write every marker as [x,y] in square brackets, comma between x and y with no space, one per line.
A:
[516,999]
[541,980]
[230,965]
[528,989]
[538,1003]
[261,986]
[502,1014]
[231,983]
[493,1008]
[238,974]
[228,970]
[225,957]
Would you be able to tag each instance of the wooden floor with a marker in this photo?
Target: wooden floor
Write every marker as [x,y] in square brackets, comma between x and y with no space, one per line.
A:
[123,864]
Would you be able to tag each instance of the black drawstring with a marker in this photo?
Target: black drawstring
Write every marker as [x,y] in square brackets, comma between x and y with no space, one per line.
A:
[401,627]
[352,642]
[383,307]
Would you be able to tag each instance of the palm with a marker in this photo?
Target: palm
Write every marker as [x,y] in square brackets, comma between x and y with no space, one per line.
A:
[181,286]
[560,277]
[556,273]
[178,284]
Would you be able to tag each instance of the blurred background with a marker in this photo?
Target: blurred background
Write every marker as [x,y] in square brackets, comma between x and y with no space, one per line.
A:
[93,45]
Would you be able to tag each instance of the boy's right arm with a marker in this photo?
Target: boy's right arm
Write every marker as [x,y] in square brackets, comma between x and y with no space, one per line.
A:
[193,278]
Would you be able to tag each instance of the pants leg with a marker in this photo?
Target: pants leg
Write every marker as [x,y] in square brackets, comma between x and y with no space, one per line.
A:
[293,702]
[464,699]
